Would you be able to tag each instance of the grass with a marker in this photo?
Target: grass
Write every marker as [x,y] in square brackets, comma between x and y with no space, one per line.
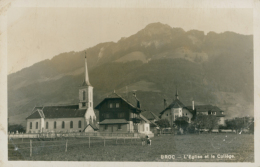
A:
[242,146]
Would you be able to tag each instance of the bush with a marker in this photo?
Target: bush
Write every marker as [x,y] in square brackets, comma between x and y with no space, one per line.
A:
[191,129]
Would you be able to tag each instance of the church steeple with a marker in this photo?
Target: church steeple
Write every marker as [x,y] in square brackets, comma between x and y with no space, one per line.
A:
[86,90]
[176,95]
[86,78]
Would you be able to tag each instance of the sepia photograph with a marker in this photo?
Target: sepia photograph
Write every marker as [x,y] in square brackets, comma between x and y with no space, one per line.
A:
[125,83]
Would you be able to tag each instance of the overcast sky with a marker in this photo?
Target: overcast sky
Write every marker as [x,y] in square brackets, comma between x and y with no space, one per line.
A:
[35,34]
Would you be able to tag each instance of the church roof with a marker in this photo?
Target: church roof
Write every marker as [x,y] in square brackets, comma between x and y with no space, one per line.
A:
[70,111]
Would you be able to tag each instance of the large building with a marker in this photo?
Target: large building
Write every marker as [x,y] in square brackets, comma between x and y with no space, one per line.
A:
[69,118]
[178,109]
[118,114]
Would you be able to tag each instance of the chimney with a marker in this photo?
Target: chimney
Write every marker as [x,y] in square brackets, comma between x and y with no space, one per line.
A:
[134,94]
[193,105]
[164,103]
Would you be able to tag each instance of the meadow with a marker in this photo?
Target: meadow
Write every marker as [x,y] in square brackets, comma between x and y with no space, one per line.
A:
[164,148]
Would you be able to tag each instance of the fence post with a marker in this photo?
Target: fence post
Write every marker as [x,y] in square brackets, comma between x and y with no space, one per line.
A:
[88,141]
[116,139]
[66,145]
[30,148]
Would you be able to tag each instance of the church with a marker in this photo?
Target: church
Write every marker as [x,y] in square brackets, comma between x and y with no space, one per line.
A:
[68,118]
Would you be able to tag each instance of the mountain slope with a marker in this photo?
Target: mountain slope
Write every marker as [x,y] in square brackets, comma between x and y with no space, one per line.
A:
[210,69]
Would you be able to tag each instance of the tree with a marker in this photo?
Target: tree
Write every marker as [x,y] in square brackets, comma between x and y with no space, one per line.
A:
[181,122]
[163,123]
[235,124]
[206,122]
[15,127]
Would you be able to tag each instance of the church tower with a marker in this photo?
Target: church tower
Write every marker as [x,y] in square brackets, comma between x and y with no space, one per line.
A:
[86,97]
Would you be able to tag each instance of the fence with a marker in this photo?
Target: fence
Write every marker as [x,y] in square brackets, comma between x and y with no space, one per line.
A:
[28,147]
[71,134]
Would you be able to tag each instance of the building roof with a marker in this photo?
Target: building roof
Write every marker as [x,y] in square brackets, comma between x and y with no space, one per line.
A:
[70,111]
[175,104]
[208,108]
[113,121]
[91,125]
[150,115]
[114,95]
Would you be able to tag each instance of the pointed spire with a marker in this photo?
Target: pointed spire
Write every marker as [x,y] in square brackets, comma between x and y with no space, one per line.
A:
[86,78]
[176,95]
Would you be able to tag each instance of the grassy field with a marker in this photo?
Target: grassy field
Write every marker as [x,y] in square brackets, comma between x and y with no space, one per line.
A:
[240,146]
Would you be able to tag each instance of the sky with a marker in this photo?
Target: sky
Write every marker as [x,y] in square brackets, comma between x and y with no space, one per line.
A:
[36,33]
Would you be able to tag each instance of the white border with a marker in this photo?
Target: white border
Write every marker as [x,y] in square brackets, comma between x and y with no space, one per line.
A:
[6,4]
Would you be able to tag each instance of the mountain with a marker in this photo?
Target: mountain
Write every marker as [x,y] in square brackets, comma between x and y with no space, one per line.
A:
[212,69]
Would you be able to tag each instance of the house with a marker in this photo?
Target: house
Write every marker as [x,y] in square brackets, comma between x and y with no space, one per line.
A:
[68,118]
[210,110]
[153,118]
[118,114]
[176,109]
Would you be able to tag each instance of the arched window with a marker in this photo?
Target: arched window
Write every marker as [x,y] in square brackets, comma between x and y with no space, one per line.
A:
[71,124]
[79,124]
[36,125]
[63,125]
[84,95]
[54,125]
[30,125]
[47,125]
[90,120]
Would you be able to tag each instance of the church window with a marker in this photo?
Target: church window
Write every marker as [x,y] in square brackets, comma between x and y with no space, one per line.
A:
[47,125]
[84,95]
[54,125]
[63,125]
[71,124]
[30,125]
[79,124]
[117,105]
[83,104]
[36,125]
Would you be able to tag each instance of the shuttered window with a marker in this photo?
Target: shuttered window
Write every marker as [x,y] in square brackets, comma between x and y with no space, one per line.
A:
[79,124]
[63,125]
[71,124]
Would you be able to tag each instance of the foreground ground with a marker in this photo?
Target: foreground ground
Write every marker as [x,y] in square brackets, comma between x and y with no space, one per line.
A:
[185,148]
